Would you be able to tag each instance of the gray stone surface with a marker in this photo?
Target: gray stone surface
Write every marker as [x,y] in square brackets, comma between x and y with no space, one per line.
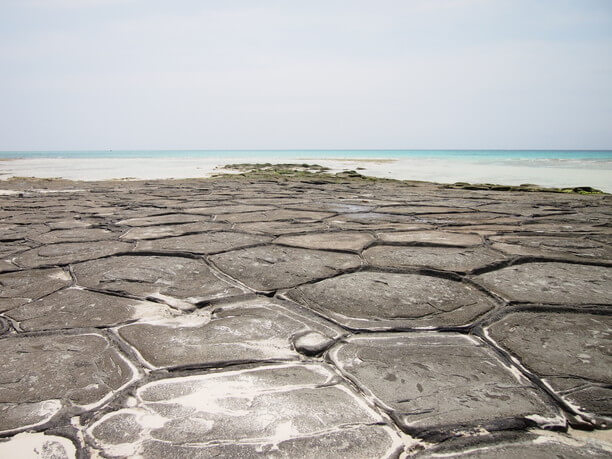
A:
[289,407]
[345,240]
[383,301]
[556,283]
[23,286]
[245,317]
[160,231]
[69,252]
[75,308]
[436,385]
[553,247]
[273,267]
[180,282]
[247,331]
[41,375]
[431,238]
[74,235]
[204,243]
[442,258]
[570,351]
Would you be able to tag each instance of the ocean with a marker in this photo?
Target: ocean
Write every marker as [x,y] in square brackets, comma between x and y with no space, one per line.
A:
[552,168]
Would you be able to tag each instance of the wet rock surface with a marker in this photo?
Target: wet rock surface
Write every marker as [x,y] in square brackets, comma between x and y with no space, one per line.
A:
[242,317]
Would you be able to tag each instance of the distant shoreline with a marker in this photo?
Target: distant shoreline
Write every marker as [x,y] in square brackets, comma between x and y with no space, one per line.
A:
[560,173]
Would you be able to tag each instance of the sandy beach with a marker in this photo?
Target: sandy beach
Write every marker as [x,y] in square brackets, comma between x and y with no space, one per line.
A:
[563,173]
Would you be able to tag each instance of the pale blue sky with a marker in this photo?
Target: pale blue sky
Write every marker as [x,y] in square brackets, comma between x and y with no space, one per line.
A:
[144,74]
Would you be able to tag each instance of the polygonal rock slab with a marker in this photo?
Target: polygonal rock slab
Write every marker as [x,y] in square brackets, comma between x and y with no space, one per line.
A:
[157,232]
[287,410]
[272,215]
[348,240]
[204,243]
[383,301]
[279,227]
[254,330]
[22,286]
[547,246]
[544,445]
[225,209]
[435,385]
[273,267]
[180,282]
[69,252]
[41,374]
[443,258]
[162,220]
[38,445]
[72,308]
[75,235]
[570,351]
[432,237]
[558,283]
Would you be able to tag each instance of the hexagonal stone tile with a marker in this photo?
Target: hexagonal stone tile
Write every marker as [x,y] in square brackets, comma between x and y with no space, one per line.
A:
[179,282]
[346,240]
[547,246]
[431,237]
[156,232]
[205,243]
[20,287]
[279,227]
[69,252]
[436,385]
[73,307]
[272,215]
[384,301]
[75,235]
[541,445]
[286,410]
[443,258]
[162,220]
[246,331]
[557,283]
[41,375]
[273,267]
[569,351]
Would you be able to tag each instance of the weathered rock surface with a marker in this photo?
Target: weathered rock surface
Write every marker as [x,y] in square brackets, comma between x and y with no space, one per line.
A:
[74,235]
[251,316]
[436,385]
[23,286]
[383,301]
[542,445]
[293,410]
[69,252]
[180,282]
[273,267]
[160,231]
[554,247]
[205,243]
[442,258]
[247,331]
[75,308]
[352,241]
[569,351]
[41,375]
[558,283]
[432,238]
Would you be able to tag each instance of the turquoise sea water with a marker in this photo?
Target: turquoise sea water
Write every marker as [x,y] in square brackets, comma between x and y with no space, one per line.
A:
[584,155]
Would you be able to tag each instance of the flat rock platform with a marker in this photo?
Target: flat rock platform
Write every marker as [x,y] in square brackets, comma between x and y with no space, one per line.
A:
[335,317]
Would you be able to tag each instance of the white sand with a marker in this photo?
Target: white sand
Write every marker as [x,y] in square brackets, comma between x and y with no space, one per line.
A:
[545,173]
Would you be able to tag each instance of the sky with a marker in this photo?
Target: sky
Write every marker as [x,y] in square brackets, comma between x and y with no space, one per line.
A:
[316,74]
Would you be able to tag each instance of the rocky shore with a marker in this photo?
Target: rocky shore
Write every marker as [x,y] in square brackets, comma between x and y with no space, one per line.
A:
[303,315]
